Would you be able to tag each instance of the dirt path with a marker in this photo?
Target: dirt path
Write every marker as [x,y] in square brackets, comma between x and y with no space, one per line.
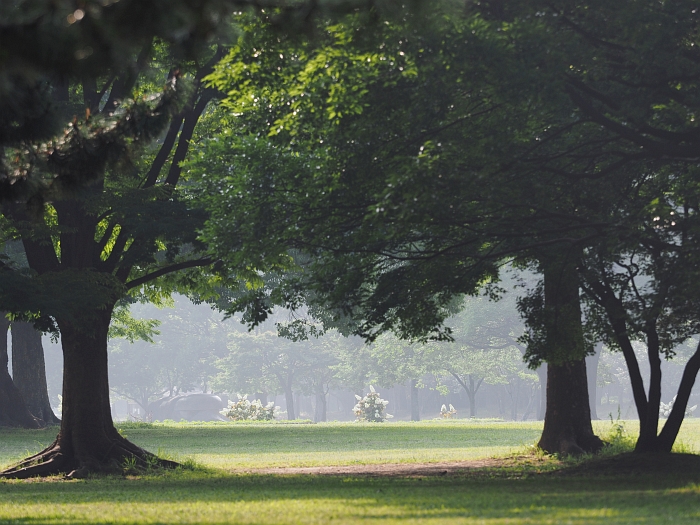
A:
[385,469]
[625,465]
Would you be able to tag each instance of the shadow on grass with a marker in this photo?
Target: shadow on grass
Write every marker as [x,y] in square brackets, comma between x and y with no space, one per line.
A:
[610,491]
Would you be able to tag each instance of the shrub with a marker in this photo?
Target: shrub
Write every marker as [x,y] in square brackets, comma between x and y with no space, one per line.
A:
[665,408]
[448,414]
[244,410]
[371,407]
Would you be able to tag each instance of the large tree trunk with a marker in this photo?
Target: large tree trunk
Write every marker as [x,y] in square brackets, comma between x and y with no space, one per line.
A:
[29,371]
[13,409]
[87,440]
[592,374]
[567,422]
[415,407]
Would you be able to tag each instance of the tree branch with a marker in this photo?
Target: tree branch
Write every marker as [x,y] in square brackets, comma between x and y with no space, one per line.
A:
[183,146]
[195,263]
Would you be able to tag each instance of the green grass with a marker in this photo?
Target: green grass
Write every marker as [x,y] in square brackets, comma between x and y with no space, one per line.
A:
[247,446]
[520,494]
[219,498]
[232,446]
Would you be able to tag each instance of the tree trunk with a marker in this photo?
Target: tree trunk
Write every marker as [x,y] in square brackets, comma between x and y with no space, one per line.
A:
[567,421]
[474,388]
[542,377]
[647,441]
[592,374]
[530,403]
[13,409]
[668,434]
[514,396]
[29,371]
[415,408]
[472,404]
[320,409]
[87,440]
[289,398]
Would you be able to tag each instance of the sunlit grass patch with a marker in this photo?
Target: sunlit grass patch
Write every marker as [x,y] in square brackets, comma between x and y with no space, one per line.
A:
[262,445]
[527,490]
[217,497]
[275,445]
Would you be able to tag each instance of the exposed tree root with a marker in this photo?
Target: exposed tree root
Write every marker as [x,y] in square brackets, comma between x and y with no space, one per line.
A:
[571,443]
[118,457]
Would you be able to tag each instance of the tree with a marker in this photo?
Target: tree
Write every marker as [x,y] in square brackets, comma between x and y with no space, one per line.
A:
[28,368]
[429,197]
[385,192]
[88,246]
[29,372]
[485,348]
[398,362]
[92,246]
[13,409]
[52,42]
[634,136]
[265,362]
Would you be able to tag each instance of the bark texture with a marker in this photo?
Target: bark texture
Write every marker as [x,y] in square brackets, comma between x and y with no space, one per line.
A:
[542,378]
[29,371]
[567,422]
[13,410]
[87,440]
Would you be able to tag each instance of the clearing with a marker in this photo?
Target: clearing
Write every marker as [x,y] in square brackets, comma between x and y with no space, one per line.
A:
[428,472]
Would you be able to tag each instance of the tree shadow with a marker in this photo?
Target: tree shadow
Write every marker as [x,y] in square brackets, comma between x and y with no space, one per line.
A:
[610,491]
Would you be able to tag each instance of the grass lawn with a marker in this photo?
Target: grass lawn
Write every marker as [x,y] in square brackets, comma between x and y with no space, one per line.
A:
[520,493]
[232,446]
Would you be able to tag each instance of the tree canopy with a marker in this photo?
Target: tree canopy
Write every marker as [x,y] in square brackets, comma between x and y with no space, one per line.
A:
[410,164]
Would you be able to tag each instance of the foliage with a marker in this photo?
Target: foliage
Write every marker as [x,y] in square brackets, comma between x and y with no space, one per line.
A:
[125,326]
[418,191]
[244,410]
[47,43]
[485,350]
[371,407]
[314,156]
[261,361]
[666,408]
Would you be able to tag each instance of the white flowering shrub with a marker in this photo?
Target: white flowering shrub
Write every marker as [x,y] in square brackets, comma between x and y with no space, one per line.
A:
[371,407]
[665,408]
[447,414]
[244,410]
